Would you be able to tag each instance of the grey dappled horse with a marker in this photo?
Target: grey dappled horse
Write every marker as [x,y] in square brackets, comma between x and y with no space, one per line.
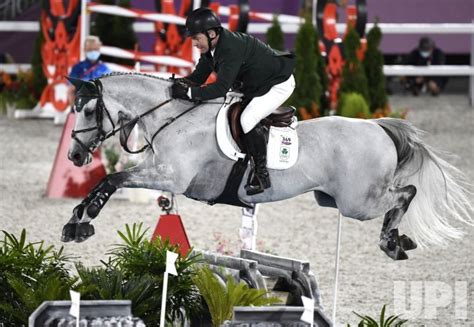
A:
[365,168]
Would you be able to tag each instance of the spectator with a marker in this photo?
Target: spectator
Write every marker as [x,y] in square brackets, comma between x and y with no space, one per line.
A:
[91,67]
[424,55]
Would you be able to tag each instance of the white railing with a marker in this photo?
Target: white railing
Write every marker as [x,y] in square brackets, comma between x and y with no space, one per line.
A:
[436,70]
[14,68]
[405,28]
[392,28]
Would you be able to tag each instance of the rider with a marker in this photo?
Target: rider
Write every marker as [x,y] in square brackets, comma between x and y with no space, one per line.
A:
[264,74]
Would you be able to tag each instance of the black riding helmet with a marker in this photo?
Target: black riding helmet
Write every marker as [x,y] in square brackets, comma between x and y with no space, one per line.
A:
[202,20]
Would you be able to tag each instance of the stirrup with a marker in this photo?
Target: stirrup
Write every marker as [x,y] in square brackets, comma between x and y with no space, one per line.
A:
[253,188]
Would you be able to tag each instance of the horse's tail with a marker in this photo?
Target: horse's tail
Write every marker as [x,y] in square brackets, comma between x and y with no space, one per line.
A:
[441,187]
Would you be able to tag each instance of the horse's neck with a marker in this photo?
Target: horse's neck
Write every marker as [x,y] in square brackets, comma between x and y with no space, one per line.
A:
[137,94]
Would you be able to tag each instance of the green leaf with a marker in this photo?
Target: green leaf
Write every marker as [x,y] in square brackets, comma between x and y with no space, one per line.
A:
[221,297]
[367,321]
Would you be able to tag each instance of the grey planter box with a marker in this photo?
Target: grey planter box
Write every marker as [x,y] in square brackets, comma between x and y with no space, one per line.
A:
[275,316]
[49,313]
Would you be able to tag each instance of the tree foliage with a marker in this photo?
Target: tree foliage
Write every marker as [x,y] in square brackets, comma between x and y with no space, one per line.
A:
[275,37]
[307,95]
[373,64]
[323,75]
[353,105]
[39,81]
[115,30]
[353,73]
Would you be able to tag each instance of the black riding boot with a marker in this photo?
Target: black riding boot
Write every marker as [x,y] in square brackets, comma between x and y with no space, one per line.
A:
[256,145]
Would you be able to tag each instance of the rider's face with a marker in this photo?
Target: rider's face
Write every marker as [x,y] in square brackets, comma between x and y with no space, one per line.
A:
[200,41]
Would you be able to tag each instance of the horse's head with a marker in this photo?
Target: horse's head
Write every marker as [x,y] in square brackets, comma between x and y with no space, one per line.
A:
[93,121]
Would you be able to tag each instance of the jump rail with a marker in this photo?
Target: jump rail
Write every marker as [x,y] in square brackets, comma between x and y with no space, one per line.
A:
[290,24]
[436,70]
[403,28]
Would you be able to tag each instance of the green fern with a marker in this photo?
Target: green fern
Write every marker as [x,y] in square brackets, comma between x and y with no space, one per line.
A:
[135,271]
[391,321]
[30,274]
[221,298]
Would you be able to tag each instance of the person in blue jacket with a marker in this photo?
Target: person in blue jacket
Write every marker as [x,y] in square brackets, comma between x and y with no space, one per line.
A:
[91,67]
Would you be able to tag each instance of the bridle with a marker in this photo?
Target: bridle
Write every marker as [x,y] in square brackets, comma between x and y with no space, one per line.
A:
[124,128]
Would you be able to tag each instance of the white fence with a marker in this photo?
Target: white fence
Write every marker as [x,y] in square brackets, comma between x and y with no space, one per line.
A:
[393,70]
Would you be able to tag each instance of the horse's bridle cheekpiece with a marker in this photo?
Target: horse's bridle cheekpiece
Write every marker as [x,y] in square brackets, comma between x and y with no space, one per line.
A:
[90,90]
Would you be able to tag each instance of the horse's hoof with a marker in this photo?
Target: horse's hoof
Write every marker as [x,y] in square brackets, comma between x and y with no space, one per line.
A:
[83,232]
[69,233]
[400,254]
[407,243]
[396,254]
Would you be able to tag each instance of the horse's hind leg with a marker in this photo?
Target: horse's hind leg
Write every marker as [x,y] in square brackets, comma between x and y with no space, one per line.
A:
[390,242]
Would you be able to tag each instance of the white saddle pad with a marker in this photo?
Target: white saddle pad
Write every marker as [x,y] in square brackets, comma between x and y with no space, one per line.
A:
[282,148]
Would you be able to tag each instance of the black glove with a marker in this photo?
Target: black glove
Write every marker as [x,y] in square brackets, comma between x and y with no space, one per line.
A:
[179,91]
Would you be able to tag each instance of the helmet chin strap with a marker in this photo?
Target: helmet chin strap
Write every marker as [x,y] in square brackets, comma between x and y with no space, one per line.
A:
[209,39]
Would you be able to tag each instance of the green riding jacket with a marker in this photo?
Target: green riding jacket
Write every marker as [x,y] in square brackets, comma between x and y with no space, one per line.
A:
[240,58]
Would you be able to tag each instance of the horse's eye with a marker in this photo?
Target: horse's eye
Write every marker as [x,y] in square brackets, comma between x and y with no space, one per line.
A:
[89,111]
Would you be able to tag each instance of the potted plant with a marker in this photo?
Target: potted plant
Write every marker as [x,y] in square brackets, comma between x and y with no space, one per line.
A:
[381,321]
[17,92]
[220,298]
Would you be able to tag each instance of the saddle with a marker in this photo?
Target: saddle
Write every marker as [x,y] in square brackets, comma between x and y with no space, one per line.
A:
[281,117]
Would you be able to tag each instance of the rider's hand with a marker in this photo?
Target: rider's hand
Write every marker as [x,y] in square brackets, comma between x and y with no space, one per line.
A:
[179,91]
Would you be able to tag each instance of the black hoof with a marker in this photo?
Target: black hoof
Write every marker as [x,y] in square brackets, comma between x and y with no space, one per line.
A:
[83,232]
[396,253]
[400,254]
[69,233]
[407,243]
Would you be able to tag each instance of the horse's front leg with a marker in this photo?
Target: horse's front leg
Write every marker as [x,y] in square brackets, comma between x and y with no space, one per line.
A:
[146,175]
[390,241]
[78,227]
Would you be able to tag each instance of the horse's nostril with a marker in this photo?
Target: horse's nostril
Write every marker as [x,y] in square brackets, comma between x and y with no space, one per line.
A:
[77,157]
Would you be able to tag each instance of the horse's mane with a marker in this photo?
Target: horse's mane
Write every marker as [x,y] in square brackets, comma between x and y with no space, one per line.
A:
[134,74]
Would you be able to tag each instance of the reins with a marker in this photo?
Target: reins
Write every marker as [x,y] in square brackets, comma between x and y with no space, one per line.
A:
[124,128]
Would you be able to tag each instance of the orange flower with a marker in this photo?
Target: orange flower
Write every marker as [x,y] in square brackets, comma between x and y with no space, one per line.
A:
[315,110]
[304,113]
[6,79]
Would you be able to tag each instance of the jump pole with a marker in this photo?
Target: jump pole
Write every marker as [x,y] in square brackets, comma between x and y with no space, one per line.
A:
[336,270]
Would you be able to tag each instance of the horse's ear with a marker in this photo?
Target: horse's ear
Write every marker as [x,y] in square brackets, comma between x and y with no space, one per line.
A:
[76,82]
[84,88]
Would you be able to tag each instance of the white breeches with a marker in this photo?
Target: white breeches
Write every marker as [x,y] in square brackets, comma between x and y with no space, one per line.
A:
[262,106]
